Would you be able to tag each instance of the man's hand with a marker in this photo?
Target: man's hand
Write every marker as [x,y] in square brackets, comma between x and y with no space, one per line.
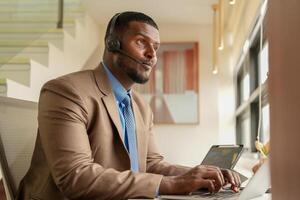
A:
[232,178]
[201,176]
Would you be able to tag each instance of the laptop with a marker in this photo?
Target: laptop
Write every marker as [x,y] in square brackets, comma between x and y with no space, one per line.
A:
[258,184]
[224,156]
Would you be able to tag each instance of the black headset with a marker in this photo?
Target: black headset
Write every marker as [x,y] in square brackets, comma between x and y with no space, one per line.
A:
[113,44]
[112,41]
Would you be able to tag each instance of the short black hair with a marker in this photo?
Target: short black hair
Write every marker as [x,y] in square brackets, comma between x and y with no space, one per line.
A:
[125,18]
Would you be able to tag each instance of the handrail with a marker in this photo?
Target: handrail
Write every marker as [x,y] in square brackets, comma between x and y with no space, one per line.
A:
[60,21]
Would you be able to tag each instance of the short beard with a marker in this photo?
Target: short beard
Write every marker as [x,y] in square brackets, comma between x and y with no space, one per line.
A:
[135,77]
[132,74]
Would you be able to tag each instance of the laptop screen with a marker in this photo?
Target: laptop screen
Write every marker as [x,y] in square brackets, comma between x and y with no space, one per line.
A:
[223,156]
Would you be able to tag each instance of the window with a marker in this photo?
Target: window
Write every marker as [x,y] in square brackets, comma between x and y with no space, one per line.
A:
[264,64]
[265,126]
[246,133]
[245,88]
[252,107]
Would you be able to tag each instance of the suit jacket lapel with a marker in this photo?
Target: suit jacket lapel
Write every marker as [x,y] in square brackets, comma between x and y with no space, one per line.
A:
[108,98]
[110,104]
[140,134]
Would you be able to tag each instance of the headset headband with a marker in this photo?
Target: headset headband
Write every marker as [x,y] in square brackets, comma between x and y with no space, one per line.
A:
[113,23]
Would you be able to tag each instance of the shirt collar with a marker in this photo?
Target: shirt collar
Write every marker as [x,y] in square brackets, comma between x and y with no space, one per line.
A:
[119,91]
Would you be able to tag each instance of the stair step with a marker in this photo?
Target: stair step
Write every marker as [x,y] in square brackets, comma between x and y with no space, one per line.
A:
[46,24]
[26,28]
[24,31]
[2,81]
[21,43]
[40,15]
[38,1]
[3,88]
[31,34]
[35,20]
[37,50]
[34,2]
[34,9]
[32,37]
[23,49]
[13,60]
[17,69]
[38,8]
[18,73]
[41,56]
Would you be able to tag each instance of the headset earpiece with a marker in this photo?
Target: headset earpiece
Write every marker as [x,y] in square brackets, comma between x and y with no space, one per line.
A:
[112,42]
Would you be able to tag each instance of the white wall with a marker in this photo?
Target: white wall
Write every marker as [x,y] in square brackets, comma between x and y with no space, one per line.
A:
[96,57]
[188,144]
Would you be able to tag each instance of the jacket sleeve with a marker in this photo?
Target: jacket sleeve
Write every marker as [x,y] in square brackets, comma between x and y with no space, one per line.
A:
[62,120]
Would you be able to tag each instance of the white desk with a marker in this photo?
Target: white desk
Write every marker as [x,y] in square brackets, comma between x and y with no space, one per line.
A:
[263,197]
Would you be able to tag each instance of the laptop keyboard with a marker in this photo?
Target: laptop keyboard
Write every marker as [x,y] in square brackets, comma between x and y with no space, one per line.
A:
[223,194]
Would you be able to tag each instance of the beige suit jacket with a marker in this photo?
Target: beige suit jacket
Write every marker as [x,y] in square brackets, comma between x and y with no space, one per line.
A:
[79,151]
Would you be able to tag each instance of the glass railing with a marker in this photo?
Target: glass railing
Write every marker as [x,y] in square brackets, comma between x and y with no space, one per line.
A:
[26,27]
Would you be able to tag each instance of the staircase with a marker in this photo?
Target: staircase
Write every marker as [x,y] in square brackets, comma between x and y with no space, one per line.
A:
[33,50]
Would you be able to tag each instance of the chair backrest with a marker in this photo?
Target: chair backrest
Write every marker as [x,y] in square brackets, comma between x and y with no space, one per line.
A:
[18,126]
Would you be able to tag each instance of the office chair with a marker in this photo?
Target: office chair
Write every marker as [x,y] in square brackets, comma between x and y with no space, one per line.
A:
[7,178]
[18,126]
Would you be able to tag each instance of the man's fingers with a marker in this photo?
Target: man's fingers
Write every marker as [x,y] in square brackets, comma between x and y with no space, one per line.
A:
[218,170]
[235,188]
[237,179]
[233,178]
[216,177]
[229,176]
[209,184]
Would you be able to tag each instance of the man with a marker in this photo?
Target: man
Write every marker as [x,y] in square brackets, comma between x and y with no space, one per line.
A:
[95,138]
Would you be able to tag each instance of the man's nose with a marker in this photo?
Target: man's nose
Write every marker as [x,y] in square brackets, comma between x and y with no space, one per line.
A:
[150,52]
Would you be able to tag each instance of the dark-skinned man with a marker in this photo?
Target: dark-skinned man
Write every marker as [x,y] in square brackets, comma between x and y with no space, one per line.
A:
[95,138]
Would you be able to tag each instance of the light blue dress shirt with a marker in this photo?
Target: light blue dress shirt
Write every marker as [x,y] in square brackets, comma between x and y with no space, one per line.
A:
[120,93]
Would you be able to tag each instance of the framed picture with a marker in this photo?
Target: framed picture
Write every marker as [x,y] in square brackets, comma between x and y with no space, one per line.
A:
[173,88]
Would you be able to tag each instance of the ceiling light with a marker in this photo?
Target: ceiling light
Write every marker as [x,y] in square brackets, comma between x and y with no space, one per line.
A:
[231,2]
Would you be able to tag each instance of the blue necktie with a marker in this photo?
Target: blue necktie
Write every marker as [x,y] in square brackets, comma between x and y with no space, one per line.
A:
[130,136]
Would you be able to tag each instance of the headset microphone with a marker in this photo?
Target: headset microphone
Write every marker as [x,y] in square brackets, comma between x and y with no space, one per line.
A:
[131,57]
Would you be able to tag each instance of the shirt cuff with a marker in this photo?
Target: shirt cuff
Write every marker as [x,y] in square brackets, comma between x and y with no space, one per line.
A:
[157,189]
